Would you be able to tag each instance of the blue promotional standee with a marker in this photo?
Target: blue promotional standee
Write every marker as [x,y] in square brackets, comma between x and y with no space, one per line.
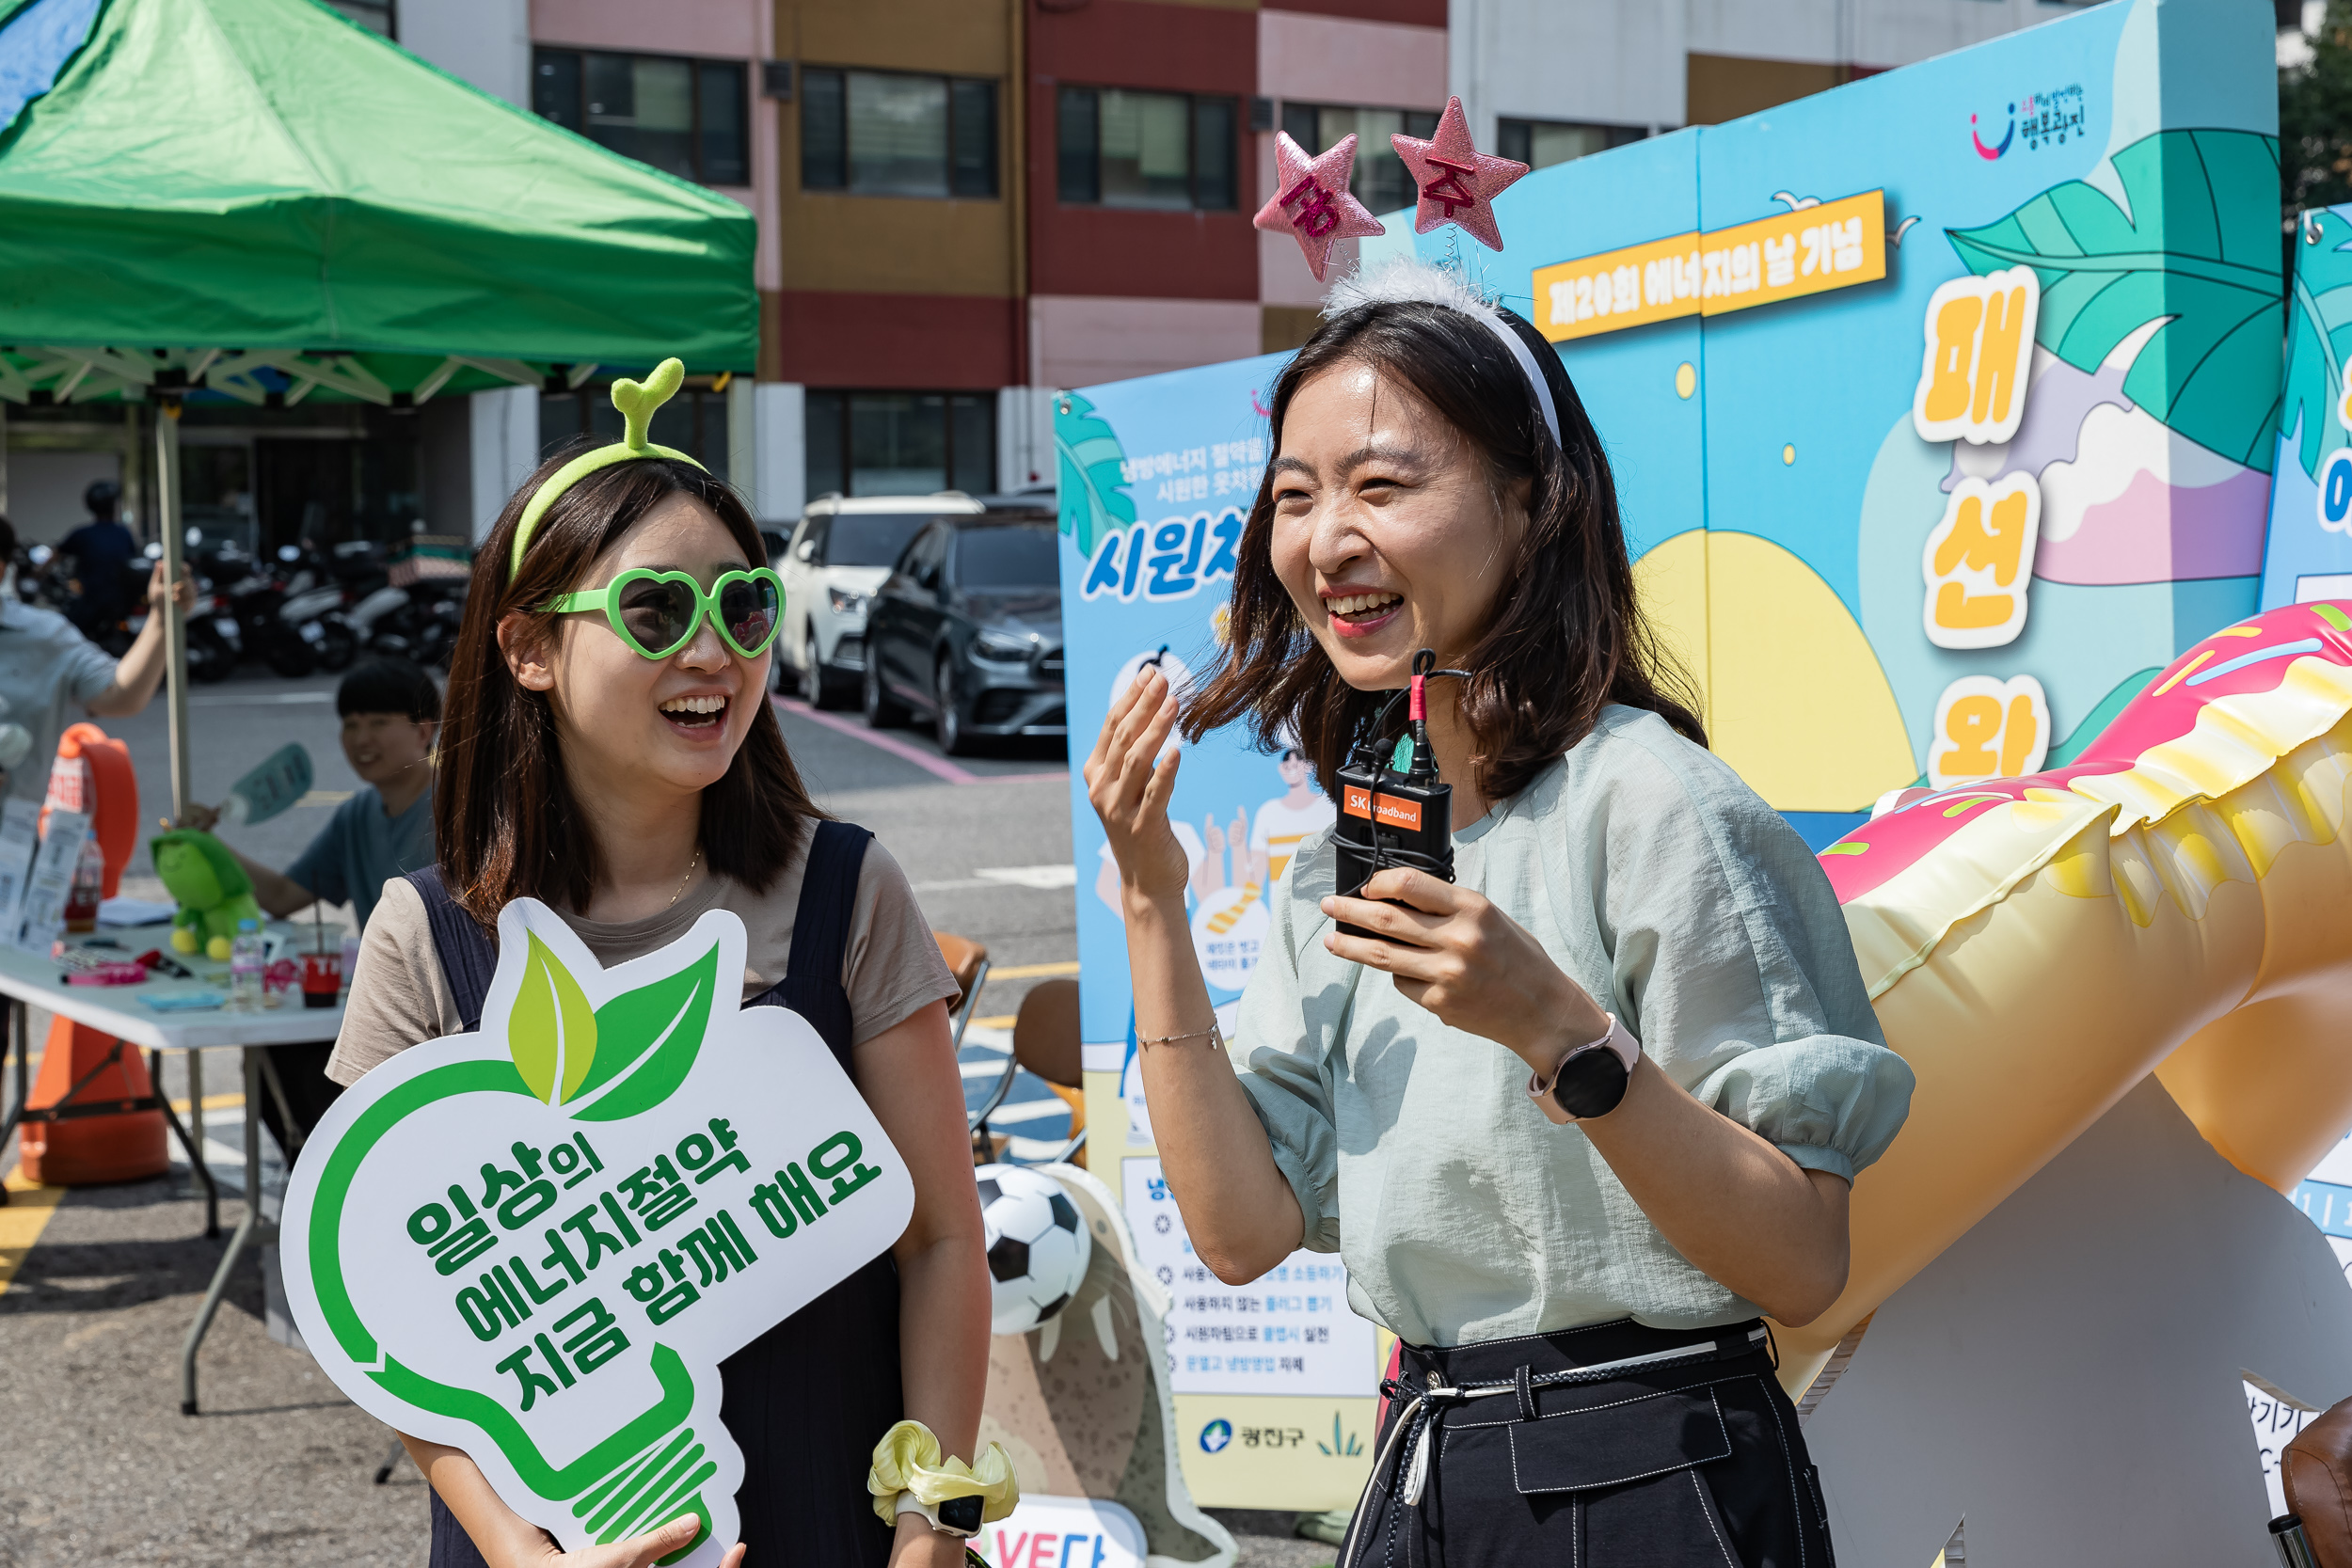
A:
[1877,574]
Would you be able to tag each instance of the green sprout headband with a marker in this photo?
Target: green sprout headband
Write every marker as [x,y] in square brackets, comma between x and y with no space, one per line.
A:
[636,401]
[656,614]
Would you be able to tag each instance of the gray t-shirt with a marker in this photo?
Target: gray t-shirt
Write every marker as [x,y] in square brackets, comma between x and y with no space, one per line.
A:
[361,848]
[1658,882]
[48,672]
[890,966]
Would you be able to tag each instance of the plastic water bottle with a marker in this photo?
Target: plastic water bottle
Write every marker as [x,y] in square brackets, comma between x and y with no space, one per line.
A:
[245,957]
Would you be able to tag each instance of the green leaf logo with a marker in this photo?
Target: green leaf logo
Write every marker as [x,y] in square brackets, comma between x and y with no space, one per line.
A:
[551,1033]
[1094,498]
[2210,371]
[648,1039]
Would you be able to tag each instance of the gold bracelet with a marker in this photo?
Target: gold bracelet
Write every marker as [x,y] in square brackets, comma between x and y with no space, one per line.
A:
[1211,1034]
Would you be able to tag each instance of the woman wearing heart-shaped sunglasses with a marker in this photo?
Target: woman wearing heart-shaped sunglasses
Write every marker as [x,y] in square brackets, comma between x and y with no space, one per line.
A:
[607,747]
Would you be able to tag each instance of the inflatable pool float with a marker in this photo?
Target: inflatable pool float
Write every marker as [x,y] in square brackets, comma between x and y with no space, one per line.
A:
[2173,901]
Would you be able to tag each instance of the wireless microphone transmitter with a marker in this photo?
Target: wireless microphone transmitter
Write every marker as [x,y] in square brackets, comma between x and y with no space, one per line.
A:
[1391,818]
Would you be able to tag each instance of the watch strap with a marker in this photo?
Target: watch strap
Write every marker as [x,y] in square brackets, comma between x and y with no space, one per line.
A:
[910,1503]
[1616,1041]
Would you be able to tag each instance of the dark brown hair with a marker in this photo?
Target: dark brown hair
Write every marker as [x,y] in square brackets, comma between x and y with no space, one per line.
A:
[1566,636]
[507,824]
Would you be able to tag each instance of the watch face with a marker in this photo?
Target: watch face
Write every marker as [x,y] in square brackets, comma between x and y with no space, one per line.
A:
[961,1514]
[1591,1082]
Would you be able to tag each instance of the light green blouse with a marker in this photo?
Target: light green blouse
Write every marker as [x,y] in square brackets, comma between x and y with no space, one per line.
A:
[1660,882]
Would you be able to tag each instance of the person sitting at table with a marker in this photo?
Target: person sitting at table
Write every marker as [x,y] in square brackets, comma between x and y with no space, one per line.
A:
[389,709]
[46,666]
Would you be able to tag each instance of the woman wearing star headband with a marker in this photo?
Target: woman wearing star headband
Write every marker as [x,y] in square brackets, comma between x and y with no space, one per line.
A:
[607,747]
[1577,1118]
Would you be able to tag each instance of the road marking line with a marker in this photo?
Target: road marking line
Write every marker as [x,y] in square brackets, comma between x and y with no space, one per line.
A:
[23,1221]
[1032,972]
[937,766]
[1044,878]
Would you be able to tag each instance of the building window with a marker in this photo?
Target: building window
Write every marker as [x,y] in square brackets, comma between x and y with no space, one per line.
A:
[1381,180]
[376,16]
[683,117]
[1167,152]
[874,133]
[901,443]
[1541,143]
[695,421]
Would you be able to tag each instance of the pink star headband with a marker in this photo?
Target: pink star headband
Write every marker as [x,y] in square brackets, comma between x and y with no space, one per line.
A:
[1457,183]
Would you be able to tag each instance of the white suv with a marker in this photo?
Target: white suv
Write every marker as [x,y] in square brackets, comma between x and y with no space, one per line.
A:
[839,555]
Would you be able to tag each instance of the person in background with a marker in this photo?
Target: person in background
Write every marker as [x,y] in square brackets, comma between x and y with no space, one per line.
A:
[102,550]
[389,710]
[47,667]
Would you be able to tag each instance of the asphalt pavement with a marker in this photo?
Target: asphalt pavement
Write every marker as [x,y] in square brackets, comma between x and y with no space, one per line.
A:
[98,1285]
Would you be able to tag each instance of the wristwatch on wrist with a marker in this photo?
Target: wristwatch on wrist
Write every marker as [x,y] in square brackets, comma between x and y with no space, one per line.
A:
[1590,1080]
[956,1516]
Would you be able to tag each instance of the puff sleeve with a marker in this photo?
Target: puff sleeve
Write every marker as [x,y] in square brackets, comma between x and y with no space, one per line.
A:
[1730,960]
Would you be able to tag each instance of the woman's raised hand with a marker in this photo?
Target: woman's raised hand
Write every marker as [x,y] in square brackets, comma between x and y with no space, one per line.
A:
[1128,782]
[1481,971]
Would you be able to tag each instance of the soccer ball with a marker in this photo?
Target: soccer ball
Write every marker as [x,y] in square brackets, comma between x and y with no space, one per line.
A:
[1038,1246]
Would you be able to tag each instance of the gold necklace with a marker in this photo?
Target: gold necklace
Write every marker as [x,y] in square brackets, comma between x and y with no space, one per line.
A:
[688,878]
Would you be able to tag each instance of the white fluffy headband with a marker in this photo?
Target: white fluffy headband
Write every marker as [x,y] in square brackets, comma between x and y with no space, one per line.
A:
[1406,279]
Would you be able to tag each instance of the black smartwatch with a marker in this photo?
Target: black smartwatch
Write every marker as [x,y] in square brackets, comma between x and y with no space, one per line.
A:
[1591,1079]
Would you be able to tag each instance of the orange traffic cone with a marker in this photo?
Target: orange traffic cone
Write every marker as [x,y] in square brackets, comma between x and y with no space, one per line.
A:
[89,1149]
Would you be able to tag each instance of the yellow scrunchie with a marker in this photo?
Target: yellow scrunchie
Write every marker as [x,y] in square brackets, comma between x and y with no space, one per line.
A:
[908,1459]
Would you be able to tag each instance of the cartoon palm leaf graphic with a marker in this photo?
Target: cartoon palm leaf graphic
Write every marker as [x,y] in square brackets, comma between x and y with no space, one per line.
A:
[649,1038]
[2210,371]
[551,1033]
[1094,498]
[2319,322]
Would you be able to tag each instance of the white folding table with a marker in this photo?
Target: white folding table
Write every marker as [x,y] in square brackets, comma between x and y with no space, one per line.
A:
[29,980]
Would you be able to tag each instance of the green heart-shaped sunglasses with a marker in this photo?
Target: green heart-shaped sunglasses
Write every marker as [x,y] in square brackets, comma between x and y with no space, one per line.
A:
[656,614]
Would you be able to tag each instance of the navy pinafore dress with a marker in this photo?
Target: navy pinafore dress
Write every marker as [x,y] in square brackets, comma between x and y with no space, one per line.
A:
[808,1401]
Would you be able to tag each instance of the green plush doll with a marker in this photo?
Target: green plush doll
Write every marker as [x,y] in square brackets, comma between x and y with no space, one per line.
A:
[212,889]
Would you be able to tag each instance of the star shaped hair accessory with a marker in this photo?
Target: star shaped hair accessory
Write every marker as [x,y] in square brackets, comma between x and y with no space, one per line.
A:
[1458,184]
[1312,202]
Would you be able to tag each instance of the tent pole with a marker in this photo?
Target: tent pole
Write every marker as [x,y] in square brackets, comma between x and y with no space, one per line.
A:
[175,622]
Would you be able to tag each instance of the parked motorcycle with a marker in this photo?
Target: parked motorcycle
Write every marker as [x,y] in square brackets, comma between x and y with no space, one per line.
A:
[418,621]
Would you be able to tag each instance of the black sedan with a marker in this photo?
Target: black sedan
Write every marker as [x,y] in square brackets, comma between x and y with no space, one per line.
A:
[967,629]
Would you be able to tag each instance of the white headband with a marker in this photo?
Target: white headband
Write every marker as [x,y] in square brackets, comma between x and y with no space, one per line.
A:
[1407,279]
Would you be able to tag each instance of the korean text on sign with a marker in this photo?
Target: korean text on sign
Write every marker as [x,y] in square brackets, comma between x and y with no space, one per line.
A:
[1831,244]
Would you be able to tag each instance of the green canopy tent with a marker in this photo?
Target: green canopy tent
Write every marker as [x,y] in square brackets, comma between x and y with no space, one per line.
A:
[258,200]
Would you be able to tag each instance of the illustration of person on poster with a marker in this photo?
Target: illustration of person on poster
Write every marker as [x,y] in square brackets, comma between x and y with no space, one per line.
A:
[1300,810]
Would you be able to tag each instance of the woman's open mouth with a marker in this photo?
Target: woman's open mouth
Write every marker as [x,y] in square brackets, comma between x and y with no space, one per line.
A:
[1361,614]
[696,715]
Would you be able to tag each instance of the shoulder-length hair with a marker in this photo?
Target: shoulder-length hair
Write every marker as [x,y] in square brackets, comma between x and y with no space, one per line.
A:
[1566,636]
[507,823]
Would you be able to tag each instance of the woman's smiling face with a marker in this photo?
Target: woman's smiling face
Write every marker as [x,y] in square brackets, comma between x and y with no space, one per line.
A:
[676,720]
[1388,535]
